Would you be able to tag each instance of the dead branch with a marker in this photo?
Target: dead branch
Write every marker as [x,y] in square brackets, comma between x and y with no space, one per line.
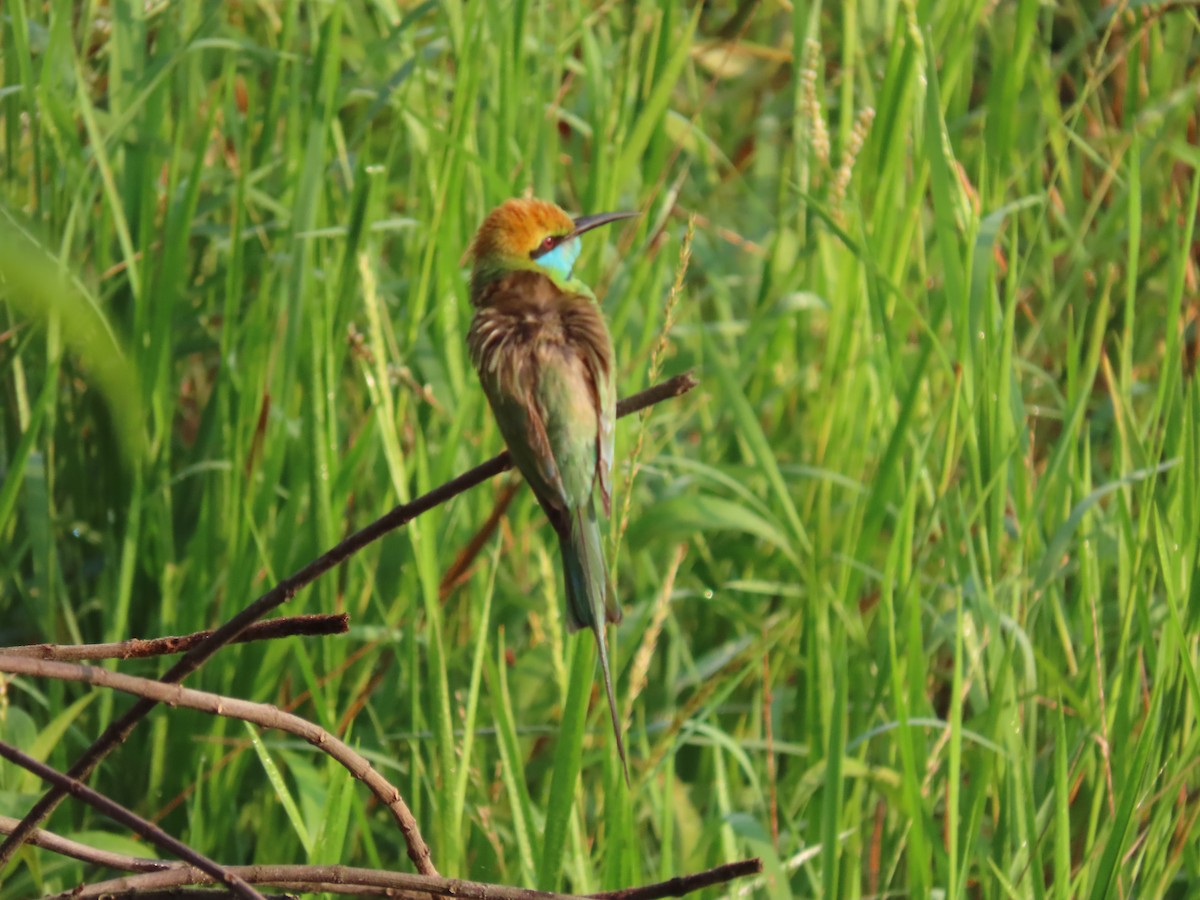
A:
[48,840]
[262,714]
[132,821]
[331,878]
[349,879]
[685,884]
[136,648]
[118,731]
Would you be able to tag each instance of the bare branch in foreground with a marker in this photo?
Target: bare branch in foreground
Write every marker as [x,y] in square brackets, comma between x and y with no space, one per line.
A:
[685,884]
[48,840]
[136,648]
[675,887]
[262,714]
[349,880]
[133,821]
[331,878]
[120,728]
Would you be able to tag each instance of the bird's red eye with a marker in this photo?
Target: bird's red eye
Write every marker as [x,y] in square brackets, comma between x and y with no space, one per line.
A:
[548,243]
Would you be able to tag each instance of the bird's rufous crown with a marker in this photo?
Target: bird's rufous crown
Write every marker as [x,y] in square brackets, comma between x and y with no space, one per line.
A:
[518,227]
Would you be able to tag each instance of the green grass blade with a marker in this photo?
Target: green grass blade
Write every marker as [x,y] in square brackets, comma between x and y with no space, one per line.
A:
[568,757]
[279,786]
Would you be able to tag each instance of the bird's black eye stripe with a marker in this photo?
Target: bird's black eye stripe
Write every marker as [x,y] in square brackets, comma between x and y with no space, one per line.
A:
[545,246]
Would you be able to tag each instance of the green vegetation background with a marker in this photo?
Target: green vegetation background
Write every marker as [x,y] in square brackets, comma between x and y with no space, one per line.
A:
[934,625]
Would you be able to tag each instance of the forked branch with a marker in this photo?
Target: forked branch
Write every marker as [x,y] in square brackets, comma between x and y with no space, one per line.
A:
[262,714]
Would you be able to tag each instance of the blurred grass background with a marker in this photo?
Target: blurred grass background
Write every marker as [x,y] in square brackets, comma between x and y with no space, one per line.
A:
[923,545]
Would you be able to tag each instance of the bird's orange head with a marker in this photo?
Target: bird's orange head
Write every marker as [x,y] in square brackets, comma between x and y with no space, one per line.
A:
[518,228]
[530,234]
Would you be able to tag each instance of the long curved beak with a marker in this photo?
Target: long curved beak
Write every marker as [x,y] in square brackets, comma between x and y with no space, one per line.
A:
[587,223]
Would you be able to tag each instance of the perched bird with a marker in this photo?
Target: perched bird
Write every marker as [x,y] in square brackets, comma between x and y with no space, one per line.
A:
[545,359]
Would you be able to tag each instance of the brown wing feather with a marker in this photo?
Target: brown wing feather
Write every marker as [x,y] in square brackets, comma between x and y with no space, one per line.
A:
[587,332]
[520,316]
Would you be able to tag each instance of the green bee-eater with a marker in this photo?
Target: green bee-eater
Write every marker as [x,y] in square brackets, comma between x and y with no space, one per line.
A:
[545,358]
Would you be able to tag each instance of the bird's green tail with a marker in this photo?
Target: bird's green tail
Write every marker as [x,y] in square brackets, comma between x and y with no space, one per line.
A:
[590,602]
[589,599]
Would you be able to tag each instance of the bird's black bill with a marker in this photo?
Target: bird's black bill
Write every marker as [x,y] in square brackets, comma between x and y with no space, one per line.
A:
[587,223]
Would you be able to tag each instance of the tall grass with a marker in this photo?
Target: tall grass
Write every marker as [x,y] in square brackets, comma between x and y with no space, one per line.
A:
[935,628]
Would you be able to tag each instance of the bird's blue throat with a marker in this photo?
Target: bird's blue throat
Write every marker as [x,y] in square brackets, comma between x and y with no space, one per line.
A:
[561,260]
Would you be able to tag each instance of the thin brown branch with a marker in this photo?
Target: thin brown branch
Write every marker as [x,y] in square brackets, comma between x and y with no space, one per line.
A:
[132,821]
[262,714]
[348,879]
[136,648]
[664,390]
[119,729]
[48,840]
[290,892]
[685,884]
[294,891]
[330,878]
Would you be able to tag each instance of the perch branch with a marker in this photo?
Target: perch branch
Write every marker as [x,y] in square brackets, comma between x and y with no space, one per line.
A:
[136,648]
[261,714]
[119,729]
[348,879]
[131,820]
